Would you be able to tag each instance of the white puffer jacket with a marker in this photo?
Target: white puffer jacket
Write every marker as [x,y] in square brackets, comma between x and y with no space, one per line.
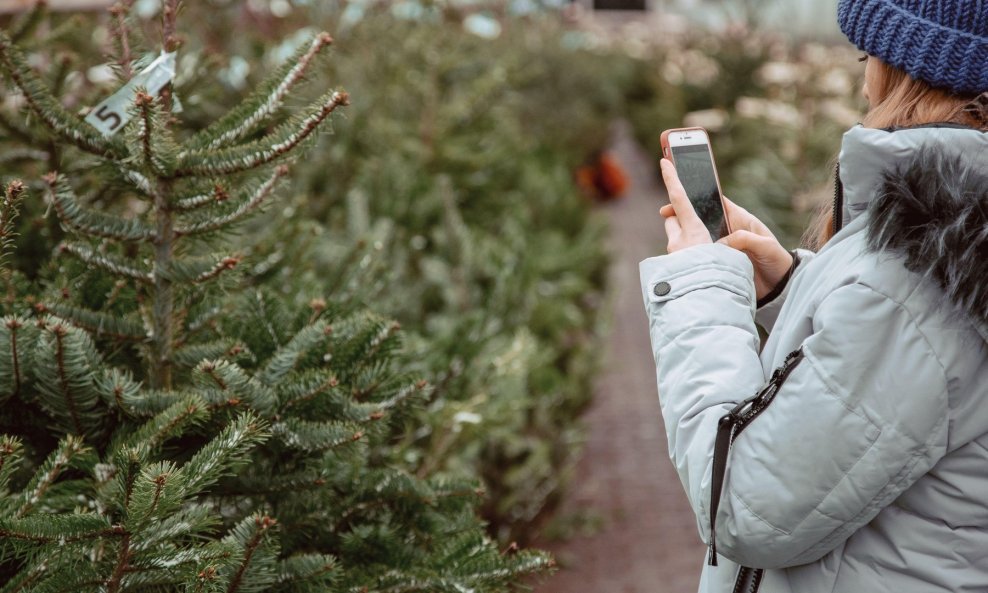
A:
[861,463]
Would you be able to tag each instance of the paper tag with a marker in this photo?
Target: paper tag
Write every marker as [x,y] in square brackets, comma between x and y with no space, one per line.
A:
[110,116]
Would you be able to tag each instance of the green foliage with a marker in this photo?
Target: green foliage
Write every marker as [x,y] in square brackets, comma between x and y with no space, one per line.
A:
[46,108]
[463,211]
[12,196]
[176,419]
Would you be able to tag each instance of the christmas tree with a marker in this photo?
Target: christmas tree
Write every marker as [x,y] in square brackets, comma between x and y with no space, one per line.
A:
[168,423]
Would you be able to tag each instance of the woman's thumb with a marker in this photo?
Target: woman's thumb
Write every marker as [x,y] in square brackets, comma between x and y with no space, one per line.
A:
[740,240]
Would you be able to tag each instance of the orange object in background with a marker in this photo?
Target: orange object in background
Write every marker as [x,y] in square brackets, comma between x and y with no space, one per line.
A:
[603,177]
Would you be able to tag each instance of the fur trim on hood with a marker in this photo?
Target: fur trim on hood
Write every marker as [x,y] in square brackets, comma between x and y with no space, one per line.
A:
[932,210]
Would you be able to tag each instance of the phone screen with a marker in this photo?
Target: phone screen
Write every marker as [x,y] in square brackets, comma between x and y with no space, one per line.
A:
[696,171]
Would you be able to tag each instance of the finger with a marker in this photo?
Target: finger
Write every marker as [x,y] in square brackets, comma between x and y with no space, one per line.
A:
[740,240]
[673,230]
[740,219]
[677,195]
[732,212]
[731,204]
[667,211]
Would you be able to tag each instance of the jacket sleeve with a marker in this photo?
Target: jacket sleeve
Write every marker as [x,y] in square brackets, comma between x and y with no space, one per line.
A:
[857,421]
[768,312]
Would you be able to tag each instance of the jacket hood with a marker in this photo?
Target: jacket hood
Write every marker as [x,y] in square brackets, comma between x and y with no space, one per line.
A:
[926,190]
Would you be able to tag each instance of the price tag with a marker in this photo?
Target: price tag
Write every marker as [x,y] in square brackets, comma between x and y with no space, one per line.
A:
[110,116]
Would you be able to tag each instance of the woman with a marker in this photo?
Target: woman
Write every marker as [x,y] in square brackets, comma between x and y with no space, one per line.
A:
[859,461]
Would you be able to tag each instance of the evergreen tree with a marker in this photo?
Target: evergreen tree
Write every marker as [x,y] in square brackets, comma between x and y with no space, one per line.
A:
[166,425]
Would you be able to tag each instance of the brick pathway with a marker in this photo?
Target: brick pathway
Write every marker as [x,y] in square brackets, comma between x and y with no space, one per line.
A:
[648,541]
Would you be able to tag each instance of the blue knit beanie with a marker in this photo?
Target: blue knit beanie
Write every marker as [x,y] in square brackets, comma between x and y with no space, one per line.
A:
[941,42]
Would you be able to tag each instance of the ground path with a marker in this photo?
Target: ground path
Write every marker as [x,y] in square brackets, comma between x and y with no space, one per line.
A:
[647,541]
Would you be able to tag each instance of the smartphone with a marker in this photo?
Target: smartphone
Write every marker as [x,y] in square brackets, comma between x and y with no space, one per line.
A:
[689,150]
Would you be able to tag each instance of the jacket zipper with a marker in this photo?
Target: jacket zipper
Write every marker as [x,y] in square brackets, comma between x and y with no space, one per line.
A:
[731,425]
[749,579]
[838,200]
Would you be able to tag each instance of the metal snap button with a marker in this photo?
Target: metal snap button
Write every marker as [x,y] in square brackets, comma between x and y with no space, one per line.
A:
[661,289]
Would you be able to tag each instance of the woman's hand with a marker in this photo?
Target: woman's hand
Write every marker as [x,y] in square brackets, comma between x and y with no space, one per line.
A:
[750,235]
[684,228]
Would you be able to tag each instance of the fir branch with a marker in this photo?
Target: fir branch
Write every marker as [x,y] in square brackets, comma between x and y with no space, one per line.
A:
[282,483]
[316,570]
[158,493]
[229,450]
[288,355]
[63,68]
[386,487]
[139,181]
[66,364]
[380,339]
[170,423]
[190,520]
[396,581]
[235,384]
[66,387]
[150,136]
[261,526]
[120,327]
[203,320]
[171,43]
[10,456]
[245,207]
[57,528]
[193,354]
[123,560]
[29,22]
[144,103]
[307,388]
[217,196]
[315,436]
[121,33]
[195,270]
[40,100]
[147,402]
[250,156]
[114,265]
[117,387]
[90,222]
[403,394]
[169,17]
[130,460]
[13,349]
[12,196]
[268,98]
[163,320]
[69,449]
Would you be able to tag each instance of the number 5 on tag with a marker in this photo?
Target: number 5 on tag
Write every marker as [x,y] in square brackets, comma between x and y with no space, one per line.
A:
[113,113]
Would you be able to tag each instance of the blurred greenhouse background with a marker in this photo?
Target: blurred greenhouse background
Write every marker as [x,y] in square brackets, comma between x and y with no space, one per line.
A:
[463,201]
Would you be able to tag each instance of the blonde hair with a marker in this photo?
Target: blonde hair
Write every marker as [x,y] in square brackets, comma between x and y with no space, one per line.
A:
[899,100]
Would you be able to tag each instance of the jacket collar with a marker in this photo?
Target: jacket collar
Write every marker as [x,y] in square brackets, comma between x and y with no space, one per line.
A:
[868,153]
[926,192]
